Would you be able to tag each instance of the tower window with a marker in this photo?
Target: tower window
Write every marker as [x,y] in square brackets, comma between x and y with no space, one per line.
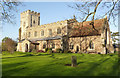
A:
[35,34]
[38,20]
[42,33]
[24,24]
[31,21]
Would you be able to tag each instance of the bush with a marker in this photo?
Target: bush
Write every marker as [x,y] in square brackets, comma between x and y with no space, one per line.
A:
[49,50]
[46,49]
[34,51]
[111,54]
[116,52]
[41,51]
[67,51]
[59,50]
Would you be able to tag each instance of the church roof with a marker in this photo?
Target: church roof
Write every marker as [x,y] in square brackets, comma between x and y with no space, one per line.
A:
[87,28]
[47,38]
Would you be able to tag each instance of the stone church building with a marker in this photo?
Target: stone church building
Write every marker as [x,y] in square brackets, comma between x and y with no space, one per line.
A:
[67,35]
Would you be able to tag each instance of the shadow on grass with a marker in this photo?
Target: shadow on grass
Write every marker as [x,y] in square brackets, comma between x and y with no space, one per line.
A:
[14,67]
[26,55]
[15,64]
[42,54]
[7,57]
[79,63]
[90,70]
[67,64]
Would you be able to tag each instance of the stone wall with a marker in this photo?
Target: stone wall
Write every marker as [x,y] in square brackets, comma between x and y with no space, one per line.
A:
[46,27]
[25,21]
[24,46]
[48,44]
[83,43]
[30,30]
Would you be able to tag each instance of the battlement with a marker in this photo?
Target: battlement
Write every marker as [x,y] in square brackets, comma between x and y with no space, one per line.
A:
[54,23]
[30,12]
[58,22]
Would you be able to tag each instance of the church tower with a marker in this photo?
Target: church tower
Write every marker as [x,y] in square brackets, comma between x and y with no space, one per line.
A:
[28,19]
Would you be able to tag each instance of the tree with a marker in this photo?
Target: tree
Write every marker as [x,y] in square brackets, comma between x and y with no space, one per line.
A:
[96,10]
[91,9]
[8,9]
[8,45]
[114,35]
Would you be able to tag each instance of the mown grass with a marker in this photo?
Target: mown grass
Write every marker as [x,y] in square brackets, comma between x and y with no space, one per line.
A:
[42,64]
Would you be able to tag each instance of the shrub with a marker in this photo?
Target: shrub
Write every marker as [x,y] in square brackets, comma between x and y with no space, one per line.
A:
[111,54]
[67,51]
[49,50]
[70,52]
[46,49]
[59,50]
[81,52]
[34,50]
[41,51]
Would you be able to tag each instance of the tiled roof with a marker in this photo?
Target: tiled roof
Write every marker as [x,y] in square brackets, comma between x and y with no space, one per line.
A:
[86,29]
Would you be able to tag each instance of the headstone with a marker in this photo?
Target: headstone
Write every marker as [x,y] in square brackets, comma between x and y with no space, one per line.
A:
[74,61]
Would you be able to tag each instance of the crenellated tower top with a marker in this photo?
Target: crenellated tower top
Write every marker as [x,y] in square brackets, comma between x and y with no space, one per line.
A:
[31,12]
[28,19]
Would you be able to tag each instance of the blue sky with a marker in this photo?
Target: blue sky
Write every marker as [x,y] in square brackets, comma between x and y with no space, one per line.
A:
[49,12]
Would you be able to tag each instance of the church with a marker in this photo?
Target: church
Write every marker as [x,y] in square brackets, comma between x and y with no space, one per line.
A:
[67,35]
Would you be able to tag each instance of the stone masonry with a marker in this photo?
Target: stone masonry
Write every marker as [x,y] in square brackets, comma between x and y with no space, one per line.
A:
[62,35]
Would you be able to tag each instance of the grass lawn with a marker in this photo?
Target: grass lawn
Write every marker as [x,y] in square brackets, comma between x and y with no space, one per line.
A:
[42,64]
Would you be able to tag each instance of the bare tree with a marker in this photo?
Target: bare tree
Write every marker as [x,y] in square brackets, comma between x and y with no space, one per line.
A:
[91,10]
[114,36]
[8,8]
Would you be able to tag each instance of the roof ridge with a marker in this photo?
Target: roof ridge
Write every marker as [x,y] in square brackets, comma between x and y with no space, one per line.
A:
[94,20]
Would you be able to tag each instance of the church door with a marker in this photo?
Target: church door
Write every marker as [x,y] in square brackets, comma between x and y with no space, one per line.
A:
[26,47]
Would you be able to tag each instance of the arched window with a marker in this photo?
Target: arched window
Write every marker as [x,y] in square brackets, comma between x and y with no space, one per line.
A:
[42,33]
[59,30]
[29,34]
[91,45]
[52,45]
[44,45]
[50,32]
[35,33]
[34,22]
[71,46]
[24,24]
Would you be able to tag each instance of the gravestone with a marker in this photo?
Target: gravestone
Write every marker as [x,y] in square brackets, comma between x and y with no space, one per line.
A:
[74,61]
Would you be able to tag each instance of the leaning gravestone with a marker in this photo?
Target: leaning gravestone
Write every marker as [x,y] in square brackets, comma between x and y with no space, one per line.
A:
[74,61]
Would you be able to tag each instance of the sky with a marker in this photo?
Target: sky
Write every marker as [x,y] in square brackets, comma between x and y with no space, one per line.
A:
[49,12]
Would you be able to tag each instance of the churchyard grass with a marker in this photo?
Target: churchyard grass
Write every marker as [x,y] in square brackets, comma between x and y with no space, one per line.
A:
[43,64]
